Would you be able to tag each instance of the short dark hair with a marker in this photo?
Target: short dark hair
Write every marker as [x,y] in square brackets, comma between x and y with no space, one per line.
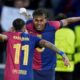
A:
[40,12]
[18,24]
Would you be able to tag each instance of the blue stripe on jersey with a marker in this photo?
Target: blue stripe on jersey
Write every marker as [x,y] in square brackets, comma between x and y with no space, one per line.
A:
[22,66]
[48,56]
[31,43]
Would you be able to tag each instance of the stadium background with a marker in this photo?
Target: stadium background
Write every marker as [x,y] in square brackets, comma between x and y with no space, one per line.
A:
[58,9]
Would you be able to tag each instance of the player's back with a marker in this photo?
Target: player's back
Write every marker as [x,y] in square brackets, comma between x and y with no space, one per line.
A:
[20,47]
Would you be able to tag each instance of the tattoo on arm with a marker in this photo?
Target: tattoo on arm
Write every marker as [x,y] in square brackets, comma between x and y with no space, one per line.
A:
[49,45]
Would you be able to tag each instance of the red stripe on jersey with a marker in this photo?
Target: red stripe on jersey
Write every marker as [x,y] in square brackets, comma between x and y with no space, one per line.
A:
[55,24]
[11,69]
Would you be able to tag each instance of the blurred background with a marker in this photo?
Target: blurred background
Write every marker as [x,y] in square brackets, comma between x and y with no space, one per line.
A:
[58,9]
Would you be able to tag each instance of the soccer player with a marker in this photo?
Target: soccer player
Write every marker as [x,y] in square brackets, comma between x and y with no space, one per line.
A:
[20,49]
[44,64]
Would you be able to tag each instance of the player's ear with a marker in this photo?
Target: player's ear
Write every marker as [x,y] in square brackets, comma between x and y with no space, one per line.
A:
[45,20]
[24,28]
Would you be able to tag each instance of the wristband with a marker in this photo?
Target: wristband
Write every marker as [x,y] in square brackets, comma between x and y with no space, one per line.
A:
[61,53]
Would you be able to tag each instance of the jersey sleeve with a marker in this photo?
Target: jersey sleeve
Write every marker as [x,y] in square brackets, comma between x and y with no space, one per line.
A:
[56,24]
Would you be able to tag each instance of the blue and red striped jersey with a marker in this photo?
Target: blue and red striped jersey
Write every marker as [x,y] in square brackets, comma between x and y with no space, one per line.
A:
[20,49]
[47,59]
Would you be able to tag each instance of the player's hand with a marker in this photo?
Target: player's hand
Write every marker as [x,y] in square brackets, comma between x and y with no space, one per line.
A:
[66,61]
[23,12]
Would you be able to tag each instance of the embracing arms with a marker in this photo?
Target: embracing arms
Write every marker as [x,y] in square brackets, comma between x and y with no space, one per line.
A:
[54,48]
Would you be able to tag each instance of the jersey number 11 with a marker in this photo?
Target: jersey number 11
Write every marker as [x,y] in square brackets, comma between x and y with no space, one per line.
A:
[18,49]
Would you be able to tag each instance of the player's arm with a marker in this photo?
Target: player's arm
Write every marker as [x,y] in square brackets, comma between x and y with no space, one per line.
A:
[3,37]
[68,21]
[54,48]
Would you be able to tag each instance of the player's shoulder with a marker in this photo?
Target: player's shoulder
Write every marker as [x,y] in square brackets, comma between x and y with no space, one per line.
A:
[24,34]
[29,24]
[29,21]
[7,33]
[55,24]
[12,33]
